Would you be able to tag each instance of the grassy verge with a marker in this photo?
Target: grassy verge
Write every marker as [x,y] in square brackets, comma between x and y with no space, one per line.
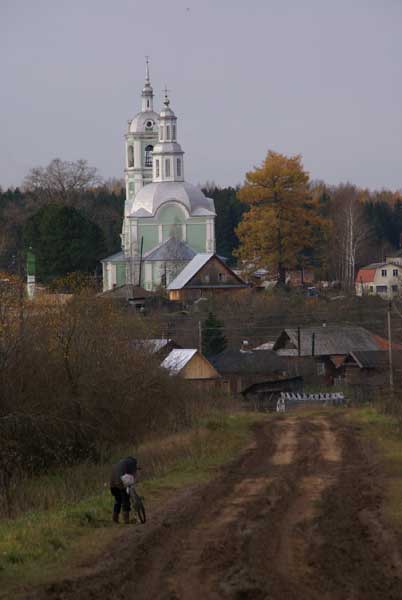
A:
[386,433]
[41,545]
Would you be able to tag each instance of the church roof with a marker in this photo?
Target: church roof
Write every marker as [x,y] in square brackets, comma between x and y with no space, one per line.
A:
[151,197]
[138,124]
[172,249]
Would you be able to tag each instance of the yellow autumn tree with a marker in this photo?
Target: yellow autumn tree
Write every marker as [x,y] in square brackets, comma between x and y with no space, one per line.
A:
[282,221]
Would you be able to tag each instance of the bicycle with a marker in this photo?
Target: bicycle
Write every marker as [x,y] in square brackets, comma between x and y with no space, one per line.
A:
[138,504]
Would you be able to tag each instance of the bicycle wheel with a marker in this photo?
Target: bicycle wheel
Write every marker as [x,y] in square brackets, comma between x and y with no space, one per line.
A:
[140,509]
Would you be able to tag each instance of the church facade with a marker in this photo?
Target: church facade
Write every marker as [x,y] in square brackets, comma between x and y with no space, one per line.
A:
[167,221]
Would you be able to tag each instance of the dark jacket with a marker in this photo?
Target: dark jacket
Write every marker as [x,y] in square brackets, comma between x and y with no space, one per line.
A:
[123,467]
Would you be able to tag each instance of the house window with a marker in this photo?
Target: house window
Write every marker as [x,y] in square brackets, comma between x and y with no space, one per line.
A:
[206,278]
[381,289]
[395,273]
[384,272]
[320,368]
[148,156]
[130,156]
[394,288]
[157,168]
[221,276]
[371,288]
[178,167]
[168,132]
[167,167]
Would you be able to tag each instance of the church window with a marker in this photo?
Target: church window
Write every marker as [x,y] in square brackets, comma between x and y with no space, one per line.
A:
[162,132]
[173,132]
[167,132]
[147,103]
[157,168]
[178,167]
[148,156]
[167,167]
[130,156]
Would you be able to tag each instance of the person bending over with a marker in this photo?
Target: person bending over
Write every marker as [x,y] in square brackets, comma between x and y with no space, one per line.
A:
[123,475]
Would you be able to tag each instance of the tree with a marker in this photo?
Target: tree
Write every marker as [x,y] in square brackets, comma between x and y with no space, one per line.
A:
[283,219]
[229,211]
[351,231]
[63,240]
[61,180]
[213,337]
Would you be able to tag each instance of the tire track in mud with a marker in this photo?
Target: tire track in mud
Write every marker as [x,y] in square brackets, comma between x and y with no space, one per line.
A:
[296,517]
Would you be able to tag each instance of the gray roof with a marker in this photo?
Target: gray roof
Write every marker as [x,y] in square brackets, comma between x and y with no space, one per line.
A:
[118,257]
[190,270]
[172,249]
[376,359]
[126,291]
[154,345]
[249,362]
[328,340]
[151,197]
[177,360]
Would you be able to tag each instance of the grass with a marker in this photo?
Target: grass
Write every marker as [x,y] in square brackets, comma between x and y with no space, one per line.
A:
[386,433]
[52,541]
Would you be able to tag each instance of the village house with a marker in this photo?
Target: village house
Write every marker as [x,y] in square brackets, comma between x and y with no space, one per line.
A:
[258,375]
[329,346]
[205,275]
[380,279]
[371,369]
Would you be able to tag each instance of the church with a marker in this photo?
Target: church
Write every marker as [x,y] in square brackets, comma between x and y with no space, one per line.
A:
[167,221]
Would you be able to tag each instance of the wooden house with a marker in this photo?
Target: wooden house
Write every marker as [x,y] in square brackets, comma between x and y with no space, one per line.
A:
[205,275]
[329,346]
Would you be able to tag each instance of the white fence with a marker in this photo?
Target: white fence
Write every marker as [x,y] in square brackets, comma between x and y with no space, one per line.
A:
[288,399]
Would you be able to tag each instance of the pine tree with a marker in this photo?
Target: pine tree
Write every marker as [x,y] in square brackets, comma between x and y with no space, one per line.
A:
[213,337]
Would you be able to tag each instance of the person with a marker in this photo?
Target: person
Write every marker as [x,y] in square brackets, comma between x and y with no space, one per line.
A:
[123,474]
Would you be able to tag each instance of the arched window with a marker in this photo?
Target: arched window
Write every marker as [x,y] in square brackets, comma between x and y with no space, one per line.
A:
[173,132]
[168,132]
[167,167]
[157,168]
[130,156]
[162,132]
[148,156]
[178,169]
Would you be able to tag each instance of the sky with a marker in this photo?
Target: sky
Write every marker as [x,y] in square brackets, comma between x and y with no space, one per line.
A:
[320,78]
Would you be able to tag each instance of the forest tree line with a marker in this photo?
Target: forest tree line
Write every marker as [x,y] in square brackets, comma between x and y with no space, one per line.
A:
[73,219]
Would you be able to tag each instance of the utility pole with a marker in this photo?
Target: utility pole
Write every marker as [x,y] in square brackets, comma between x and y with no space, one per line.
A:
[391,370]
[200,336]
[298,342]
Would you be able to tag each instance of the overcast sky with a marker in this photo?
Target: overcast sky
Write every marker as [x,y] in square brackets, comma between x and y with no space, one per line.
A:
[322,78]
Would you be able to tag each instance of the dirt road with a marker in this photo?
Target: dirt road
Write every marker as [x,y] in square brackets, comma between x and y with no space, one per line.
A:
[297,517]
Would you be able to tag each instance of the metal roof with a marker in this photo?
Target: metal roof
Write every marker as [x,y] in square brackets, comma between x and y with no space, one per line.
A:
[249,362]
[177,360]
[376,359]
[151,197]
[171,249]
[328,340]
[190,270]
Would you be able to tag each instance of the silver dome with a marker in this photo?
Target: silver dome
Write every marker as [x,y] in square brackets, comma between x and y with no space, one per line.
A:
[137,125]
[151,197]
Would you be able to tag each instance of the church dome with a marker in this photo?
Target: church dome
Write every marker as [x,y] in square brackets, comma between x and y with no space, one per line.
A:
[143,122]
[151,197]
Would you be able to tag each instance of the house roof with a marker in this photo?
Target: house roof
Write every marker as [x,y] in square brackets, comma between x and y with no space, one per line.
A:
[329,340]
[193,267]
[376,359]
[126,291]
[171,249]
[190,270]
[249,362]
[365,275]
[154,345]
[117,257]
[177,359]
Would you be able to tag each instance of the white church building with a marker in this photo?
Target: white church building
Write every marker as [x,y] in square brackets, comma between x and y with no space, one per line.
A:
[167,221]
